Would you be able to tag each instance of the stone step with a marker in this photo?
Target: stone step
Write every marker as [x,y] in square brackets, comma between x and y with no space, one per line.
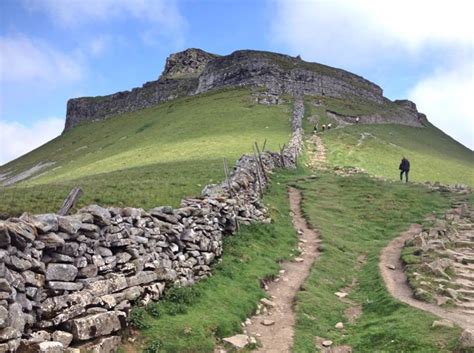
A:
[465,275]
[467,293]
[464,284]
[468,267]
[465,305]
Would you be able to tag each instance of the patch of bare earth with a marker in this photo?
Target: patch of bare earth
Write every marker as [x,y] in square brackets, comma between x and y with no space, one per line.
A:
[316,153]
[272,325]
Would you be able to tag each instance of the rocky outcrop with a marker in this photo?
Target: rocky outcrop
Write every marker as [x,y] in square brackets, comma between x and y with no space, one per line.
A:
[194,71]
[401,112]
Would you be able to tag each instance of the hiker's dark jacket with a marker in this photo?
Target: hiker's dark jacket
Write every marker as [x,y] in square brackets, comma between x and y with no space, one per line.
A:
[404,165]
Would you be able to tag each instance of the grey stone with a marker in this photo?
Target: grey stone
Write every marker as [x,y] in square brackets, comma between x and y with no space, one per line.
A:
[65,338]
[4,322]
[104,324]
[50,222]
[68,314]
[9,333]
[466,340]
[237,341]
[88,271]
[41,347]
[68,225]
[51,240]
[34,279]
[100,214]
[69,286]
[102,345]
[5,286]
[15,317]
[40,336]
[61,272]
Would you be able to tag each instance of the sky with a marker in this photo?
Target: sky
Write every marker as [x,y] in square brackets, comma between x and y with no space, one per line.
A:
[54,50]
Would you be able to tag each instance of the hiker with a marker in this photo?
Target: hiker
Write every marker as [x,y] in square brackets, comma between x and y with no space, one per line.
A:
[329,126]
[357,120]
[404,168]
[323,127]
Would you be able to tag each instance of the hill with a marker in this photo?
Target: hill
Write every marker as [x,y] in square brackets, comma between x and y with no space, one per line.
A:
[155,144]
[154,156]
[378,148]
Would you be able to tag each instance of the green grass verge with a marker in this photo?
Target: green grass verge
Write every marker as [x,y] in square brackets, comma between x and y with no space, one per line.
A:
[149,157]
[359,216]
[220,303]
[433,155]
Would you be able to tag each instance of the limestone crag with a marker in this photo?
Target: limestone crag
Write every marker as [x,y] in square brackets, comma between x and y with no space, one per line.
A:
[194,71]
[68,282]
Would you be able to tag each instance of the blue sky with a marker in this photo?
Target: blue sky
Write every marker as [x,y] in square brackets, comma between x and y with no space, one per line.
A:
[53,50]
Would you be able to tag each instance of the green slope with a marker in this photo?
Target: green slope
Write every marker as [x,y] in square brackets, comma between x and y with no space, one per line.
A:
[433,155]
[151,157]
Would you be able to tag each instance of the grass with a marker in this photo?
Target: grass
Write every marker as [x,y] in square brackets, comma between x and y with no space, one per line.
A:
[433,155]
[193,319]
[358,216]
[149,157]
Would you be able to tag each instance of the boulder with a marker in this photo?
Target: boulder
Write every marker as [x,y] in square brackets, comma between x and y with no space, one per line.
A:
[237,341]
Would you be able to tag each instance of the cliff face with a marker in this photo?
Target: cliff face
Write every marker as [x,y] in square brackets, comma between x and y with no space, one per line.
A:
[195,71]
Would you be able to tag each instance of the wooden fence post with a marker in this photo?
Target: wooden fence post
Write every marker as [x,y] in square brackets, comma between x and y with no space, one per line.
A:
[70,200]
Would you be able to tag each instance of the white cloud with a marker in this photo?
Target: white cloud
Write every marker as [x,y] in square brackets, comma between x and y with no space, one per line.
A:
[26,59]
[445,97]
[161,16]
[17,139]
[358,32]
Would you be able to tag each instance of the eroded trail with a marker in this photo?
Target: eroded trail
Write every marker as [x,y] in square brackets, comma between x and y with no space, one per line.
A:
[317,154]
[396,281]
[274,329]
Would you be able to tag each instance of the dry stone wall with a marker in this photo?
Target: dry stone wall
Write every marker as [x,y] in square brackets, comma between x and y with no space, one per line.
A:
[68,282]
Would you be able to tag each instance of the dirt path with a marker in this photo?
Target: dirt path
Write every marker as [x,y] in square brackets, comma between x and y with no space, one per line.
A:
[397,285]
[278,336]
[317,156]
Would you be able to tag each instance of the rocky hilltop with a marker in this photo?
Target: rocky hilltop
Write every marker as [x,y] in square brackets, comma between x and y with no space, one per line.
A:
[195,71]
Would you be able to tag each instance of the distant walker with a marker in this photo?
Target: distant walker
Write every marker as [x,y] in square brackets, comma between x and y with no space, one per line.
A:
[404,168]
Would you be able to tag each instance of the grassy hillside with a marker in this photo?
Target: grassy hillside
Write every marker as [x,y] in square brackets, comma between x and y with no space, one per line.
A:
[433,155]
[357,216]
[151,157]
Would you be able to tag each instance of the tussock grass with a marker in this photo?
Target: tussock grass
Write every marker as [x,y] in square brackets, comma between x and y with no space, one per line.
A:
[359,216]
